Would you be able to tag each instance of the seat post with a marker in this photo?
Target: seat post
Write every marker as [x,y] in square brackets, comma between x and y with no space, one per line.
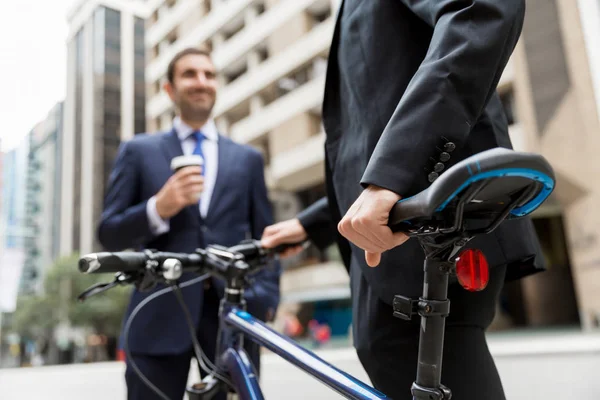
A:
[433,307]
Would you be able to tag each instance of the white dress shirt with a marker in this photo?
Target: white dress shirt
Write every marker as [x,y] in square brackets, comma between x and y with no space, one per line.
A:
[210,151]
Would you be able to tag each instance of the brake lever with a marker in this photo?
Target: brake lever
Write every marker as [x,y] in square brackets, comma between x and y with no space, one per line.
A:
[94,290]
[120,279]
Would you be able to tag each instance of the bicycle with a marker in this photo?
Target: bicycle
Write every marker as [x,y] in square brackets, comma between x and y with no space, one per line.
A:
[471,198]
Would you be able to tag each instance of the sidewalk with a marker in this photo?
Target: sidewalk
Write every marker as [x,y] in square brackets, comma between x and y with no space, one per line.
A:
[533,365]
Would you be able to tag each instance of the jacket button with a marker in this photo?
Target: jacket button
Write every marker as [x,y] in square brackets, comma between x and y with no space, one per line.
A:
[444,157]
[449,147]
[438,167]
[432,176]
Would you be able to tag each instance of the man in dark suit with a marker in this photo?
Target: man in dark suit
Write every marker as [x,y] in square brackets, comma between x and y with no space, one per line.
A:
[148,206]
[410,91]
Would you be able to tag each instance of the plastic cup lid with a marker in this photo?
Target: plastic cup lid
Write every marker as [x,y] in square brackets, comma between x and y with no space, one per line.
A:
[186,161]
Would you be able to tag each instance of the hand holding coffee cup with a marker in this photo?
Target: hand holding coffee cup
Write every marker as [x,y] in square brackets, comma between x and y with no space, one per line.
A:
[183,188]
[194,164]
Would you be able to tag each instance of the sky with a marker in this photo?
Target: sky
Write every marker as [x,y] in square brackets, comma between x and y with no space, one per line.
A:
[33,61]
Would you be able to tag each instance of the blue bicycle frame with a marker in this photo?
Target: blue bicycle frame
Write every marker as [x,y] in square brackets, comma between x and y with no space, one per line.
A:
[238,324]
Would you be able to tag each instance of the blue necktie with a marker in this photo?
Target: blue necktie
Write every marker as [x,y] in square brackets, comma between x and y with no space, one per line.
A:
[199,136]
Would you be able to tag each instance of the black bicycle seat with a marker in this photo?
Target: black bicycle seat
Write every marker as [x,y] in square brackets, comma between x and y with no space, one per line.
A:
[477,193]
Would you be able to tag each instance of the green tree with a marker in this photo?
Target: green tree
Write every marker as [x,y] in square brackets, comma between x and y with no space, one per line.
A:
[102,312]
[36,316]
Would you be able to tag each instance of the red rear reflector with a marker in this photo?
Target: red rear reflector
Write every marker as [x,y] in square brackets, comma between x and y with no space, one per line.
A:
[472,270]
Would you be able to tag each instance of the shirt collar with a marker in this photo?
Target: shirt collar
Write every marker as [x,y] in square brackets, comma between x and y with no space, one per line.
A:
[184,130]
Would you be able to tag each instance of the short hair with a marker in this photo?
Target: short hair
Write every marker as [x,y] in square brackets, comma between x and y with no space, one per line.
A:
[180,55]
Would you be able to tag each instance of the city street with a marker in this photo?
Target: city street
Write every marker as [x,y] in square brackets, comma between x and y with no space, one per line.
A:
[548,366]
[178,124]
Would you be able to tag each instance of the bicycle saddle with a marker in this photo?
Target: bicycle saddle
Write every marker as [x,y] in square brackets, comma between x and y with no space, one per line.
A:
[477,193]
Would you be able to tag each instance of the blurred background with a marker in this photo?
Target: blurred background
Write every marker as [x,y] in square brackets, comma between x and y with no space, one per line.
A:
[83,75]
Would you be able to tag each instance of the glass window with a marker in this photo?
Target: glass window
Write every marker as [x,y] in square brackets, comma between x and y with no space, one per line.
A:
[139,77]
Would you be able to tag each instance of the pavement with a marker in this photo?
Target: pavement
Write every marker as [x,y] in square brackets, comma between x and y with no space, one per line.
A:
[533,366]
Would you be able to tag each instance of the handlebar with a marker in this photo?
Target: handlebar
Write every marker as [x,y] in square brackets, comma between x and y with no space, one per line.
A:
[129,261]
[145,269]
[244,257]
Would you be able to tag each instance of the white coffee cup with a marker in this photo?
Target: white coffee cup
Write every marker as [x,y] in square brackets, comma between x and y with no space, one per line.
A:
[192,160]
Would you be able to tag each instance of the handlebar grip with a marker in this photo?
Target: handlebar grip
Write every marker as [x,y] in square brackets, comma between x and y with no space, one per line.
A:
[105,262]
[253,249]
[404,212]
[285,246]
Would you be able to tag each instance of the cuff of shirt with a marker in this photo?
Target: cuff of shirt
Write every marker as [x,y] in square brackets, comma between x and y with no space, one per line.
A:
[158,226]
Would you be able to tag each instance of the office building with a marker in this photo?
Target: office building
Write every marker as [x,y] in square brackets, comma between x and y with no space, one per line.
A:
[556,94]
[13,222]
[104,104]
[42,200]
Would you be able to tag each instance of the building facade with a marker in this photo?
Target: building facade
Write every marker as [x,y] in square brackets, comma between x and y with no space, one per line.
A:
[104,104]
[557,103]
[271,56]
[2,222]
[13,191]
[43,209]
[13,223]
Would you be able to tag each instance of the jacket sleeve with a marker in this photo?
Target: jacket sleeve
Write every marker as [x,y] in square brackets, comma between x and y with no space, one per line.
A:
[470,47]
[124,222]
[264,295]
[318,223]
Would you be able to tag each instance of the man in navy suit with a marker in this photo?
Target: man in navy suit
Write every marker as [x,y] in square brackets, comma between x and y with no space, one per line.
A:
[149,206]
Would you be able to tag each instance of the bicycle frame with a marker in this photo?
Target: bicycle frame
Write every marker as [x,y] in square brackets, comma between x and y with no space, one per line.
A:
[237,324]
[433,307]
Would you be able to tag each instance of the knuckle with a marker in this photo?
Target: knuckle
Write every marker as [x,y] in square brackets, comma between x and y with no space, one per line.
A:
[363,220]
[344,225]
[356,223]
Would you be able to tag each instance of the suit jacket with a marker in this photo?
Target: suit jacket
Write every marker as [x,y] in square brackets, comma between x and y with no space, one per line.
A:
[408,80]
[239,209]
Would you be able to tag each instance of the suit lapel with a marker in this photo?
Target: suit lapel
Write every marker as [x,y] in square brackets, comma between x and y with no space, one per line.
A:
[171,146]
[226,156]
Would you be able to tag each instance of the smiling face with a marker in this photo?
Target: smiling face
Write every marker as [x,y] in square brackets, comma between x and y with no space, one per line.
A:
[193,87]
